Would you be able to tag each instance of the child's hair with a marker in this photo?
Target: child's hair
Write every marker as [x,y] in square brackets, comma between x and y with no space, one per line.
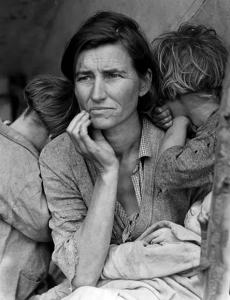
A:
[190,60]
[53,100]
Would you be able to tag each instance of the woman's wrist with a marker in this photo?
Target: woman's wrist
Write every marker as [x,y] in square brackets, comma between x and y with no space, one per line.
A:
[110,173]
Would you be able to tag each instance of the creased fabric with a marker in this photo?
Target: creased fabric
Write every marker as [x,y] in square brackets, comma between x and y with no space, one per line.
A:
[24,216]
[140,271]
[137,260]
[69,181]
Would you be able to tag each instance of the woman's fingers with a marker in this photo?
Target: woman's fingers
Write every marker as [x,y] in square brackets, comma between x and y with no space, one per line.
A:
[96,148]
[157,240]
[152,236]
[75,121]
[78,131]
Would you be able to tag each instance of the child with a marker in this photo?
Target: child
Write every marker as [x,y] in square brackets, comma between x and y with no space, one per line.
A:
[24,216]
[191,63]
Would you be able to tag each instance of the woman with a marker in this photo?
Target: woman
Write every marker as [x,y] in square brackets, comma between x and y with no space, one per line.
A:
[99,178]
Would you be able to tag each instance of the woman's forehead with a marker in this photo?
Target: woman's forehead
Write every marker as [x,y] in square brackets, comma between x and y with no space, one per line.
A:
[110,56]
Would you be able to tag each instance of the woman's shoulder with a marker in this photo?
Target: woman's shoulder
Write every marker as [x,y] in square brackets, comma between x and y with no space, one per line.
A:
[61,150]
[154,133]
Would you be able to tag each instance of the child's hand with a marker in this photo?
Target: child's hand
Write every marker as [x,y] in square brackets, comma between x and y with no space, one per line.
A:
[162,117]
[205,212]
[6,122]
[203,219]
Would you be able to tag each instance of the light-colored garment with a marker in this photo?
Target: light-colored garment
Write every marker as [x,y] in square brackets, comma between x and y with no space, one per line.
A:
[69,181]
[58,292]
[24,216]
[139,260]
[140,271]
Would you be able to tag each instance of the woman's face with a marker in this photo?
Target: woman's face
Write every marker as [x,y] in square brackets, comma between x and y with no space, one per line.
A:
[107,86]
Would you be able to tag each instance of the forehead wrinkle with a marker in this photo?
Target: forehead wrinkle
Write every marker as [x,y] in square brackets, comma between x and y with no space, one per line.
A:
[97,60]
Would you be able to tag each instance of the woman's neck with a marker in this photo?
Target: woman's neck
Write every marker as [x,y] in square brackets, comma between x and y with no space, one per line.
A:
[125,139]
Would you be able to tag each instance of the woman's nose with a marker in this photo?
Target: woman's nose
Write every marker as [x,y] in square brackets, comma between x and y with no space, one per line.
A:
[98,92]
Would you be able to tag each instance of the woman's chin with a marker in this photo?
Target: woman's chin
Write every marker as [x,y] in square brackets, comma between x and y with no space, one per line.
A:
[101,124]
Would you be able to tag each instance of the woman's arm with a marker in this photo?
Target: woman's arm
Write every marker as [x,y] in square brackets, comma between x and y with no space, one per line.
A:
[95,233]
[143,260]
[82,237]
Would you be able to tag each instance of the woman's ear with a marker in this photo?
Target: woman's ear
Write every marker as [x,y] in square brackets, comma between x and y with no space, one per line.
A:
[146,83]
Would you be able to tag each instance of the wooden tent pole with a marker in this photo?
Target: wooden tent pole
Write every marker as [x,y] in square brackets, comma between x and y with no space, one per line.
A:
[217,276]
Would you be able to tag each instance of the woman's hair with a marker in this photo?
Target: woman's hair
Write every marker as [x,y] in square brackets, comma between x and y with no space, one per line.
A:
[108,27]
[190,60]
[53,100]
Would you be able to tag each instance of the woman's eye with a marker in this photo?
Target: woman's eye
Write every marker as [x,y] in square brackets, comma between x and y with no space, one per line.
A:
[84,78]
[112,75]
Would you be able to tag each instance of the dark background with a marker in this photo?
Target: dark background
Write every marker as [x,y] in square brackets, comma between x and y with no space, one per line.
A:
[33,33]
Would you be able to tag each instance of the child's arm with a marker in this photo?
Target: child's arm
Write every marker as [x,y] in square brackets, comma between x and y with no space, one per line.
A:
[176,135]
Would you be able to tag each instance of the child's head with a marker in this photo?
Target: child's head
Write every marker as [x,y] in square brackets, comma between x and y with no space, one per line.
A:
[199,211]
[190,60]
[51,102]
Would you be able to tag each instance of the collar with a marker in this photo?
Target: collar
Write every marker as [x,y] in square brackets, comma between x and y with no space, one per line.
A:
[145,146]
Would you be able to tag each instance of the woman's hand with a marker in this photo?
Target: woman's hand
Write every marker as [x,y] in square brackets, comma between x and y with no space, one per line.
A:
[164,235]
[162,117]
[96,149]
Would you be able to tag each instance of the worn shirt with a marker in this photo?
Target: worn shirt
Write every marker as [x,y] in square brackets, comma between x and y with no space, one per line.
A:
[24,216]
[190,166]
[69,181]
[128,223]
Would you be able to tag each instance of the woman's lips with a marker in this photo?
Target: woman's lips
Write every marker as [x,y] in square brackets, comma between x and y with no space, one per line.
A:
[100,110]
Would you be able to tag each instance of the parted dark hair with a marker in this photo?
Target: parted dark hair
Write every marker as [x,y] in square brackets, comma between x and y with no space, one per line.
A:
[108,27]
[53,100]
[190,60]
